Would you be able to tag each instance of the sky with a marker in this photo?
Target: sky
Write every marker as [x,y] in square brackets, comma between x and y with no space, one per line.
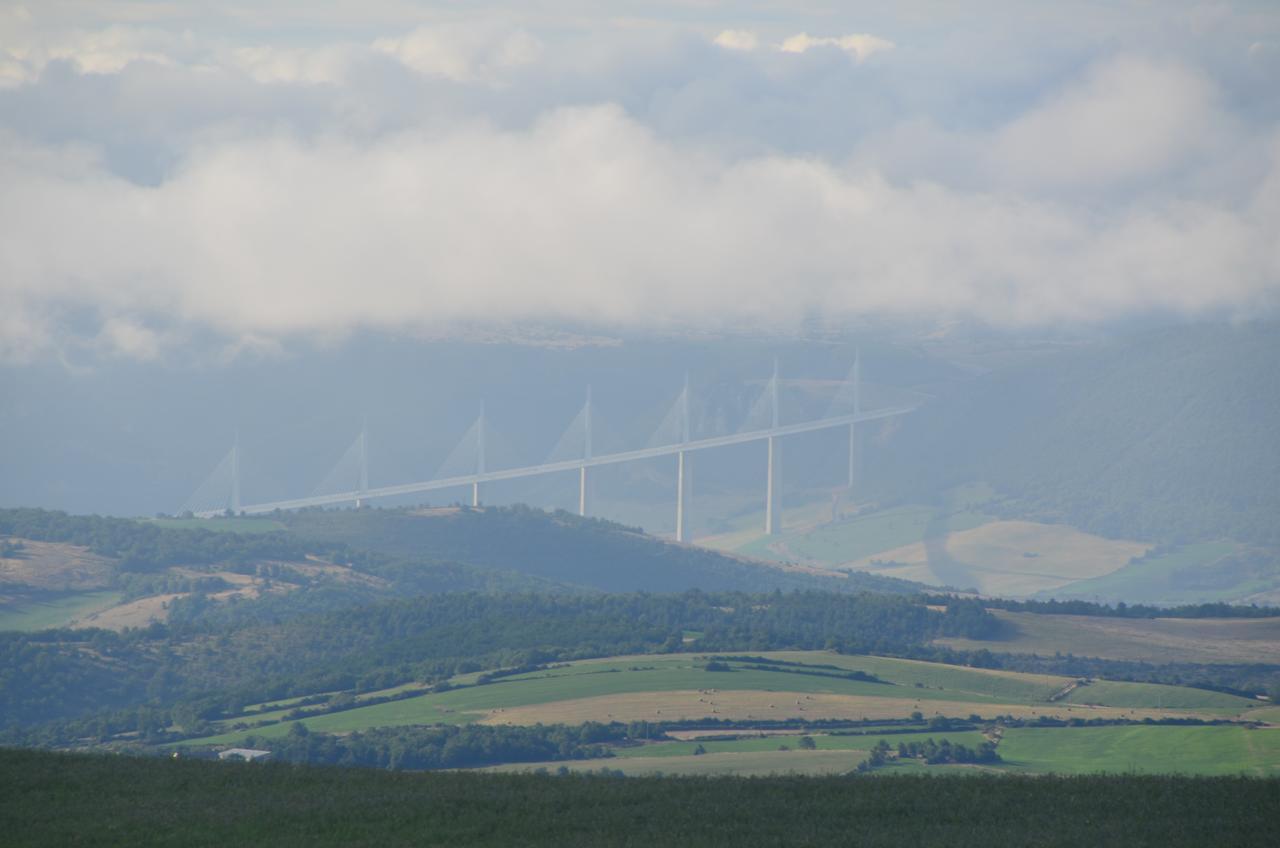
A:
[242,176]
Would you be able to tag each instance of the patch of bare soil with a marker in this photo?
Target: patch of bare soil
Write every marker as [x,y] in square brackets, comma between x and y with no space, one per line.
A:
[139,613]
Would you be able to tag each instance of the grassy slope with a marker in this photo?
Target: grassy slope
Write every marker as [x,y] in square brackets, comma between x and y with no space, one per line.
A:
[219,525]
[1114,693]
[1168,435]
[54,799]
[860,537]
[1153,578]
[55,612]
[1155,750]
[1144,640]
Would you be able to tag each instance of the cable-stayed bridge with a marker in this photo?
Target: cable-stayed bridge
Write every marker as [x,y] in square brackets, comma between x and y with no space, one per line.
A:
[763,424]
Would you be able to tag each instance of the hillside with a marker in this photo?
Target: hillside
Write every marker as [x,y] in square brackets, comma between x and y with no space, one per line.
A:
[564,548]
[58,570]
[1167,437]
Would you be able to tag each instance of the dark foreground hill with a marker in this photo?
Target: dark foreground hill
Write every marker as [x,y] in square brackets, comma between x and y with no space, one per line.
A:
[59,799]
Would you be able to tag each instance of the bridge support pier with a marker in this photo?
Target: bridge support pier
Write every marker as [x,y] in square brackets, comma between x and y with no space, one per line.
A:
[475,494]
[772,514]
[582,491]
[680,496]
[853,454]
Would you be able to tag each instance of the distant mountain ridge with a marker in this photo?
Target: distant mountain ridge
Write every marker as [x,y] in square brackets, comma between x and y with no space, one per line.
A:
[1169,437]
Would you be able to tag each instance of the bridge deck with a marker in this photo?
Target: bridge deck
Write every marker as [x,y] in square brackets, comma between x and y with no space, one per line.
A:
[571,464]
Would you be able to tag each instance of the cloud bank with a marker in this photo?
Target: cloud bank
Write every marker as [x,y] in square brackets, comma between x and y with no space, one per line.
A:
[463,173]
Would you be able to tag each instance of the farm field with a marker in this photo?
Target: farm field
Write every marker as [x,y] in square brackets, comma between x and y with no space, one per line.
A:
[1009,558]
[57,611]
[957,546]
[812,685]
[1158,577]
[239,524]
[816,540]
[1141,749]
[1160,640]
[821,741]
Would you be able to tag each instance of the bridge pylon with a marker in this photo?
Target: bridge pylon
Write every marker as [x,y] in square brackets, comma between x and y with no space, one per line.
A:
[772,501]
[480,469]
[586,454]
[681,459]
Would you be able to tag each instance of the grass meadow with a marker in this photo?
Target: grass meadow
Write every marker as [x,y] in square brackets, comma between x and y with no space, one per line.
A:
[1141,749]
[55,611]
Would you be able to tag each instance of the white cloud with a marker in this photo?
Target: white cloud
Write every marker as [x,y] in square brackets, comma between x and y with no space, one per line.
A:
[1127,119]
[272,64]
[737,39]
[161,182]
[104,51]
[861,46]
[463,53]
[124,337]
[585,216]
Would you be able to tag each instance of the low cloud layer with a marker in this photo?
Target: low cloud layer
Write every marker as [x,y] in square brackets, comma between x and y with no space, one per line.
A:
[415,181]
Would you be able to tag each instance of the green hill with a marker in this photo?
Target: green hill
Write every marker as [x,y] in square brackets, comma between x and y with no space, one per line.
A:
[561,547]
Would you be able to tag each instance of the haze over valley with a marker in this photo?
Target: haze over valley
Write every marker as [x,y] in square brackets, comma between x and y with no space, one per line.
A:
[656,424]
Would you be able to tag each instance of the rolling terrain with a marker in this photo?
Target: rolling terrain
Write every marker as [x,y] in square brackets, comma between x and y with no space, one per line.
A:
[1199,640]
[57,573]
[892,700]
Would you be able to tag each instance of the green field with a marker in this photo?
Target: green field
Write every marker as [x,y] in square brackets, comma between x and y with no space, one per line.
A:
[942,681]
[55,612]
[931,688]
[1113,693]
[821,741]
[219,525]
[1151,750]
[61,799]
[1150,578]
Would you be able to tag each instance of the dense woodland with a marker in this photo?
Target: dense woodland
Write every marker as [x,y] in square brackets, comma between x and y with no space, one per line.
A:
[448,746]
[1121,609]
[70,799]
[206,670]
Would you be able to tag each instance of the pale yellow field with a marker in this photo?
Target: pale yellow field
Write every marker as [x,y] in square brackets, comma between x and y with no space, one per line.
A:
[138,613]
[1159,640]
[759,705]
[1007,558]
